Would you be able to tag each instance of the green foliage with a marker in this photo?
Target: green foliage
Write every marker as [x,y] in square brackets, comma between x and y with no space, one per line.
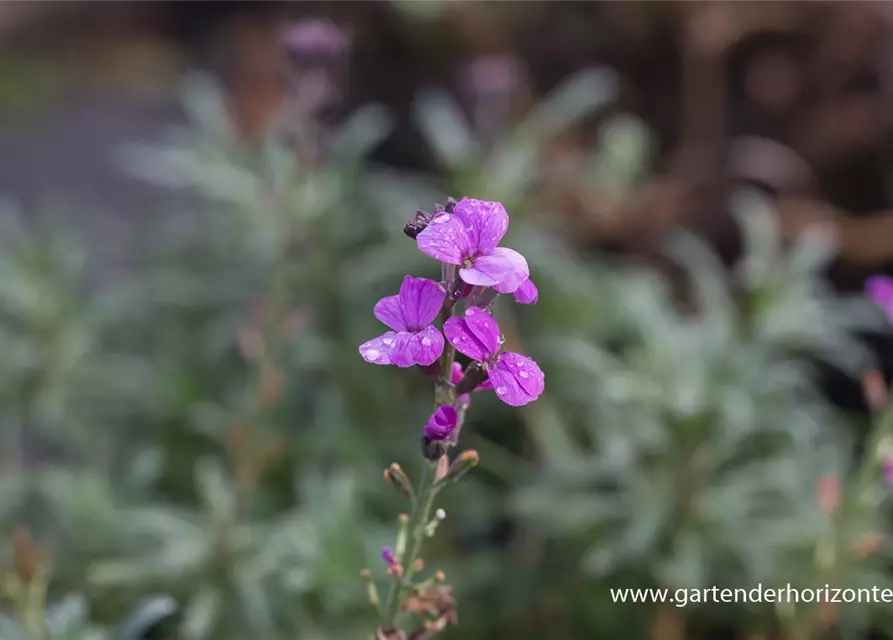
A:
[199,423]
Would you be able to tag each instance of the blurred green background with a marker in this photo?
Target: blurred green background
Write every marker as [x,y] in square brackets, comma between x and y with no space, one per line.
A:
[199,217]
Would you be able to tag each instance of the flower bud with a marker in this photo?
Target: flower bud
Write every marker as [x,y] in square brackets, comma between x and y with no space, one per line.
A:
[418,224]
[442,422]
[464,462]
[371,589]
[396,477]
[443,466]
[402,534]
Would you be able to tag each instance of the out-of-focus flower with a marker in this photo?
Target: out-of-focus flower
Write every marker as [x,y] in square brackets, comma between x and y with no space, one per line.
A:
[887,470]
[495,88]
[874,389]
[516,379]
[828,494]
[315,37]
[414,339]
[468,237]
[442,422]
[880,290]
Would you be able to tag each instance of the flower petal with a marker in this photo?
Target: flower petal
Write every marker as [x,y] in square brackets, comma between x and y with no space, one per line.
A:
[526,293]
[484,328]
[442,422]
[517,379]
[464,340]
[505,267]
[475,334]
[388,311]
[445,239]
[423,347]
[486,222]
[378,350]
[420,301]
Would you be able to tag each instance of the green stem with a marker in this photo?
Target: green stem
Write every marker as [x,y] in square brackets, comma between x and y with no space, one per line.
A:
[421,513]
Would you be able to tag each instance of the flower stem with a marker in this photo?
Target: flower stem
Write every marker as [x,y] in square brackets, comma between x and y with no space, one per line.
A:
[421,513]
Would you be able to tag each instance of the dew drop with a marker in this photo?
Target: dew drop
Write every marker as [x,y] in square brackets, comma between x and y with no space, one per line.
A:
[501,390]
[426,341]
[457,339]
[469,312]
[387,342]
[373,354]
[524,374]
[441,219]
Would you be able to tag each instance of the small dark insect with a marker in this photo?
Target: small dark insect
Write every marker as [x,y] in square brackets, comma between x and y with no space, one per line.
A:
[415,226]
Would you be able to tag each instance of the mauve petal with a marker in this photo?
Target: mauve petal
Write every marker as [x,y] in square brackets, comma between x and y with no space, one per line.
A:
[485,221]
[445,239]
[517,379]
[462,338]
[456,373]
[527,293]
[388,311]
[484,328]
[378,350]
[504,267]
[420,301]
[423,347]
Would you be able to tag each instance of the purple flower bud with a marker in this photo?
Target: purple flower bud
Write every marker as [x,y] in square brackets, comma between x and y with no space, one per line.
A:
[442,422]
[387,554]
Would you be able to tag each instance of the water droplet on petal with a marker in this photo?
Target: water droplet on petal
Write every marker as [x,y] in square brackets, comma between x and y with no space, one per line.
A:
[457,339]
[426,341]
[501,390]
[373,354]
[469,312]
[441,219]
[524,374]
[387,342]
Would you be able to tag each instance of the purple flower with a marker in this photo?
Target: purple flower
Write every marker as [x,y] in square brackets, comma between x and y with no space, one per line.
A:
[517,379]
[387,554]
[414,340]
[527,293]
[887,470]
[442,422]
[880,290]
[456,376]
[468,237]
[316,37]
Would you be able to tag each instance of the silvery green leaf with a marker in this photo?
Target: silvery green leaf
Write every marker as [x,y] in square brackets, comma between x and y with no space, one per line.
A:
[445,128]
[68,618]
[151,613]
[364,129]
[201,614]
[10,630]
[575,97]
[214,488]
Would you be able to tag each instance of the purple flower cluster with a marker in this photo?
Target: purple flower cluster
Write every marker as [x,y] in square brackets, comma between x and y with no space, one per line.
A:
[464,237]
